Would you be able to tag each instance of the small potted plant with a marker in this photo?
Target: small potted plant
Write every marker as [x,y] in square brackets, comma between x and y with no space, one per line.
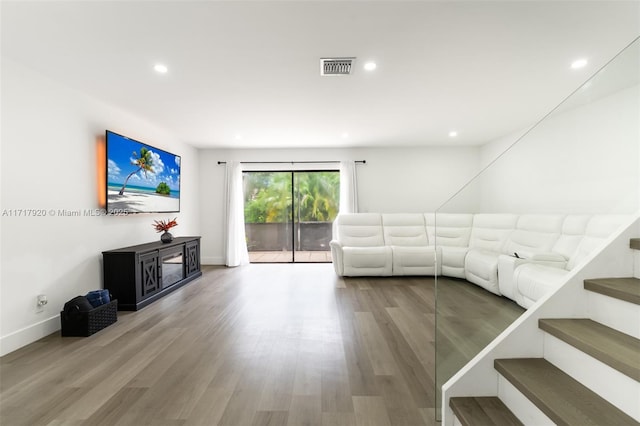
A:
[164,226]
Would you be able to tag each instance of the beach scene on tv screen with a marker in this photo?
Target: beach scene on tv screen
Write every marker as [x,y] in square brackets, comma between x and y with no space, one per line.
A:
[141,178]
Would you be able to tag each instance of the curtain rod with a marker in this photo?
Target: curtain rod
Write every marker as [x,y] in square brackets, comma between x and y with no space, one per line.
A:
[292,162]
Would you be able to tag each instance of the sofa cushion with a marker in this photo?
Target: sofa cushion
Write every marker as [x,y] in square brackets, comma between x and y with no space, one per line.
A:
[367,261]
[407,236]
[533,281]
[481,268]
[451,260]
[533,240]
[359,230]
[488,237]
[413,260]
[534,234]
[404,230]
[573,229]
[490,231]
[449,229]
[450,233]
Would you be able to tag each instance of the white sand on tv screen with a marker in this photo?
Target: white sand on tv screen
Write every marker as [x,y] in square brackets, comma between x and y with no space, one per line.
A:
[136,202]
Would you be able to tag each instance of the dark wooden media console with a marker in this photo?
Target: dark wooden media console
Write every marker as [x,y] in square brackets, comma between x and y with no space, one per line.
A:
[139,275]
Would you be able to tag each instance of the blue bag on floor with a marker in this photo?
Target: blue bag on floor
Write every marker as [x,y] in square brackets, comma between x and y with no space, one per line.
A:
[98,297]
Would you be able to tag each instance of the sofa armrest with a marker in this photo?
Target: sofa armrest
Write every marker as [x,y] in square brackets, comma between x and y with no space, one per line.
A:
[553,260]
[337,257]
[507,265]
[506,268]
[550,259]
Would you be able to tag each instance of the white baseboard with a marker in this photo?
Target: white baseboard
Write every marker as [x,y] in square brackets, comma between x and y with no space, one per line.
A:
[212,260]
[27,335]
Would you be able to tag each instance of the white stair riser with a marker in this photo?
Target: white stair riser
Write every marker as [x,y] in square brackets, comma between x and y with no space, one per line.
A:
[520,405]
[618,388]
[636,264]
[617,314]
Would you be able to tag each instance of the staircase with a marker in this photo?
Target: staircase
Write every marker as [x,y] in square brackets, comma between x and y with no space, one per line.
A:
[589,373]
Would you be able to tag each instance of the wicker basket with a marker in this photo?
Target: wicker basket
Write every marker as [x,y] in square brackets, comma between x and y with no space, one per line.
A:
[87,323]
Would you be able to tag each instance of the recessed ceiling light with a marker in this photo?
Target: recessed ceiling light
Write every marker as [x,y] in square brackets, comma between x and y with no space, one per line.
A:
[370,66]
[453,134]
[160,68]
[345,135]
[238,136]
[579,63]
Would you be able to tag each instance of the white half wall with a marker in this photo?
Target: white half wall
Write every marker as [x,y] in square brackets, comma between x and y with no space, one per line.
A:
[48,163]
[523,338]
[402,179]
[580,160]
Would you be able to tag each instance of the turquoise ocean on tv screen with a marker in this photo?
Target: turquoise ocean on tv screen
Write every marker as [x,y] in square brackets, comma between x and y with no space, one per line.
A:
[141,189]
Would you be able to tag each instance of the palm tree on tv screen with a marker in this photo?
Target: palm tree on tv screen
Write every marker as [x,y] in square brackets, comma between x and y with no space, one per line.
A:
[144,162]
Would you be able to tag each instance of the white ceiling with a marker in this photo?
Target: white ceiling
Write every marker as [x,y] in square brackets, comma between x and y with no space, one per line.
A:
[483,68]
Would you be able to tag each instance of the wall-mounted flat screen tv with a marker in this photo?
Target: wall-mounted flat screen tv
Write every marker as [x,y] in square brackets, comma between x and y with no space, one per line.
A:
[140,177]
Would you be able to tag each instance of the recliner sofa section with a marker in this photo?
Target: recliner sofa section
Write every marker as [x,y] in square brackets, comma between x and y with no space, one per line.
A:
[383,245]
[450,234]
[579,237]
[489,234]
[360,249]
[522,257]
[411,252]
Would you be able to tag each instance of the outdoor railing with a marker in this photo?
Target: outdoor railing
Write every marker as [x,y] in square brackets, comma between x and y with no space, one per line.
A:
[308,236]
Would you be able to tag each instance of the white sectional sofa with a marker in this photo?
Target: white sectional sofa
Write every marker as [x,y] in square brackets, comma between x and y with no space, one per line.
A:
[452,240]
[406,235]
[361,249]
[521,257]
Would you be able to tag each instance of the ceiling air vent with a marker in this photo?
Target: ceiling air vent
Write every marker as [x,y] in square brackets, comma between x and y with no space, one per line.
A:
[335,66]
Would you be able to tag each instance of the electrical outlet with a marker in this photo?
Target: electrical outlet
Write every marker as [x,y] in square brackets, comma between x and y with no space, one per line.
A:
[41,301]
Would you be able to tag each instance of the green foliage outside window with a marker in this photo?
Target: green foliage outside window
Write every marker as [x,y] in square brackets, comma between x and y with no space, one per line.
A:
[268,196]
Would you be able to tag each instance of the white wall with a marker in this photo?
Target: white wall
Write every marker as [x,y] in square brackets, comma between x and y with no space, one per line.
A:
[392,180]
[48,158]
[580,160]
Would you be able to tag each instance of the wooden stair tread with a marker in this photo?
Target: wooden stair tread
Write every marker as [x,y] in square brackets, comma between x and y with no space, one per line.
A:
[627,289]
[482,411]
[635,243]
[612,347]
[563,399]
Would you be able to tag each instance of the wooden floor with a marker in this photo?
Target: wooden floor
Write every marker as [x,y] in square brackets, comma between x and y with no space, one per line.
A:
[256,345]
[287,256]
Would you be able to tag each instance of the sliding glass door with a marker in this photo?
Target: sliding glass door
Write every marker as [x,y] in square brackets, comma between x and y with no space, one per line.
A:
[288,215]
[317,199]
[268,216]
